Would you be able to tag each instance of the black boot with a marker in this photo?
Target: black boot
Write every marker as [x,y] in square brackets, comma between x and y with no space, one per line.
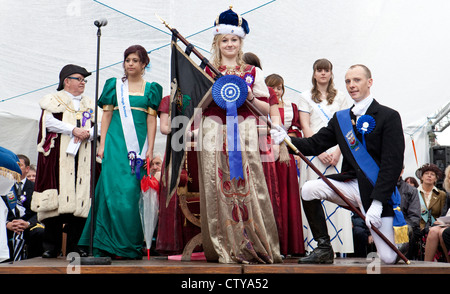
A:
[317,223]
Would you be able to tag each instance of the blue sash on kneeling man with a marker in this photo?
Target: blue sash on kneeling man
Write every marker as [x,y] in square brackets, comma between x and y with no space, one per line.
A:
[365,125]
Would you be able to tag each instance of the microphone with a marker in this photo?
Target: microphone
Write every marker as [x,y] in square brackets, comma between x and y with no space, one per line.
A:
[101,22]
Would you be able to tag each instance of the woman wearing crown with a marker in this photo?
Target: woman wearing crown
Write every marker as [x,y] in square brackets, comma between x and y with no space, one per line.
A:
[238,225]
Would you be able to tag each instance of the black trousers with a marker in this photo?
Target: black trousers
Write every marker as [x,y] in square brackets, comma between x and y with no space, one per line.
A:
[446,237]
[52,239]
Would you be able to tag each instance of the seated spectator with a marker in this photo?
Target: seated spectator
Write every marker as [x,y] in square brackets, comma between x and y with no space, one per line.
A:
[432,199]
[412,181]
[362,239]
[31,176]
[439,233]
[10,173]
[22,225]
[446,241]
[410,206]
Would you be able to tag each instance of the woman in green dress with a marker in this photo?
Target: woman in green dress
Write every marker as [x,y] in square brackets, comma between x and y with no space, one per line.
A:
[128,131]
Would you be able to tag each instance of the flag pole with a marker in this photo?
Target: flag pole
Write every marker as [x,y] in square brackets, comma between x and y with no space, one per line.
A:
[257,112]
[186,42]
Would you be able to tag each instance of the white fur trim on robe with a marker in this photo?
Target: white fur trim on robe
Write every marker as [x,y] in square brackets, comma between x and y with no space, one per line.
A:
[74,196]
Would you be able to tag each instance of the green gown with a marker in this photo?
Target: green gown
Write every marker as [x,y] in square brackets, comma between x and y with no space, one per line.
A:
[117,227]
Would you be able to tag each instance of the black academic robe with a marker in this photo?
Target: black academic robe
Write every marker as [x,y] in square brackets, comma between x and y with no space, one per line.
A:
[385,144]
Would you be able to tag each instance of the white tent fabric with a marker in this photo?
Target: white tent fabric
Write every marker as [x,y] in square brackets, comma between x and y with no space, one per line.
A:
[403,42]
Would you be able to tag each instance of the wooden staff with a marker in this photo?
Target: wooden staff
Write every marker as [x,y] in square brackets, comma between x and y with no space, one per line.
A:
[258,113]
[185,42]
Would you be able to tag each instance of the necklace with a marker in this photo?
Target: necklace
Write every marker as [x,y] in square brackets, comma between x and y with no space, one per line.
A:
[78,113]
[230,70]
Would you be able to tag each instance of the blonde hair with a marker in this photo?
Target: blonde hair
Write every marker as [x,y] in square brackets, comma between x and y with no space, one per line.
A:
[331,91]
[216,56]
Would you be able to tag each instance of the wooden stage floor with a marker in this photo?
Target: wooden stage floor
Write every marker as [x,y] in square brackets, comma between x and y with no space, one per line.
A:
[171,275]
[162,266]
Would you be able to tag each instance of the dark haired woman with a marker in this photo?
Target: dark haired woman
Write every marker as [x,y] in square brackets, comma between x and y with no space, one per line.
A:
[127,134]
[316,107]
[432,199]
[412,182]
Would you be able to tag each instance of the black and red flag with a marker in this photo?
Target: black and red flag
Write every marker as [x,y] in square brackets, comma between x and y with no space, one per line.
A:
[190,93]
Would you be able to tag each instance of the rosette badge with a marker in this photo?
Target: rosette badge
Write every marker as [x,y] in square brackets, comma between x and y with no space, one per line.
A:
[229,89]
[365,125]
[230,92]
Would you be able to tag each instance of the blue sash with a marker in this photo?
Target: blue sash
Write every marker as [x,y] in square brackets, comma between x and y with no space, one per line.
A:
[371,169]
[424,212]
[359,152]
[12,199]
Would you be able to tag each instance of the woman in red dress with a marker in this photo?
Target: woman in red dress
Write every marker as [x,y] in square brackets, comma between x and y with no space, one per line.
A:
[291,236]
[174,229]
[269,151]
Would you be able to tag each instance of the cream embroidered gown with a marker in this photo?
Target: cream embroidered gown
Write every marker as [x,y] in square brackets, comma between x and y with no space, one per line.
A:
[238,224]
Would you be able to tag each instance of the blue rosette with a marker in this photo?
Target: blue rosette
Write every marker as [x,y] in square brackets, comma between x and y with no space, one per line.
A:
[365,125]
[230,92]
[229,89]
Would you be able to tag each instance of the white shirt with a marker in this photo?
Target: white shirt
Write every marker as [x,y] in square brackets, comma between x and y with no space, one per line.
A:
[361,107]
[427,196]
[56,126]
[23,183]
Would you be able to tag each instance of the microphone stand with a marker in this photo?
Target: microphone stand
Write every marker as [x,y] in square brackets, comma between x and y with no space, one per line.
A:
[91,259]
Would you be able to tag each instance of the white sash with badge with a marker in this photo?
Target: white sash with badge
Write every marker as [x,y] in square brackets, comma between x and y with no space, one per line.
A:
[135,155]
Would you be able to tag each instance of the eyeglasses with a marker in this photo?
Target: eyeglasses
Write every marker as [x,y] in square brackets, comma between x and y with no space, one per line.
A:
[78,79]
